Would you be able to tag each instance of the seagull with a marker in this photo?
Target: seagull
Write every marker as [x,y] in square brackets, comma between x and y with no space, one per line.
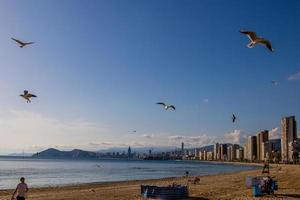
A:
[275,83]
[27,96]
[233,118]
[166,107]
[257,40]
[22,44]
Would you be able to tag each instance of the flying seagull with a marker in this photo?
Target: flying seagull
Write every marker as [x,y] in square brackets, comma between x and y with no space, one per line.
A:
[233,118]
[166,107]
[27,96]
[22,44]
[275,83]
[257,40]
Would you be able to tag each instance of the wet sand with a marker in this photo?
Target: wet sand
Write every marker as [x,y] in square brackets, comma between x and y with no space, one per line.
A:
[221,186]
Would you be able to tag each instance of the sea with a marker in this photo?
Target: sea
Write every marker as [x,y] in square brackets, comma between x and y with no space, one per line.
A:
[59,172]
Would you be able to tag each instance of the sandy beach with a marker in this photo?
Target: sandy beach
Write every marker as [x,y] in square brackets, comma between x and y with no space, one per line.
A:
[221,186]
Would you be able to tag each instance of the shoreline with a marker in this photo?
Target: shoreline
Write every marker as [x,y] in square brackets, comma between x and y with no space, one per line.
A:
[229,185]
[255,165]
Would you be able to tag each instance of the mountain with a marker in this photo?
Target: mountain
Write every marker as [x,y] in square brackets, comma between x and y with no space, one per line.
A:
[55,153]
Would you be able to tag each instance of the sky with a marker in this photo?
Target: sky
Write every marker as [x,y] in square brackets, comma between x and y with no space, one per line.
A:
[99,67]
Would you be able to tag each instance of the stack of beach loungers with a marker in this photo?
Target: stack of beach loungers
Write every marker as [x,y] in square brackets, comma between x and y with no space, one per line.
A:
[166,192]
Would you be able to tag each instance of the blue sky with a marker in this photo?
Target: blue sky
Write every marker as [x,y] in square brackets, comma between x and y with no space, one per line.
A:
[99,67]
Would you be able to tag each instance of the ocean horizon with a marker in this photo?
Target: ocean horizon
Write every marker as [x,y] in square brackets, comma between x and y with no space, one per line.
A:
[61,172]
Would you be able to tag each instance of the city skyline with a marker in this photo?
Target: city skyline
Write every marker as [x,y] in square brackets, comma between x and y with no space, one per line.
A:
[98,71]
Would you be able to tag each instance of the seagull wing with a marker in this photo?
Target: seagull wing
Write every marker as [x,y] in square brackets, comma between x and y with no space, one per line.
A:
[251,35]
[18,41]
[25,92]
[268,44]
[27,43]
[171,106]
[161,103]
[31,95]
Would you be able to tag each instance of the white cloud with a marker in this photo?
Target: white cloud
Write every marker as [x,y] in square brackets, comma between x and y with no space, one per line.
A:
[148,136]
[176,137]
[274,133]
[294,77]
[235,137]
[34,132]
[192,141]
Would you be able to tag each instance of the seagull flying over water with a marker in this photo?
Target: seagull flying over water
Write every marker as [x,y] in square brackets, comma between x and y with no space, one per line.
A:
[233,118]
[166,107]
[257,40]
[22,44]
[27,96]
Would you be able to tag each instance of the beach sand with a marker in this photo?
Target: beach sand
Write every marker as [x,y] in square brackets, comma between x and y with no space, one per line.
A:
[221,186]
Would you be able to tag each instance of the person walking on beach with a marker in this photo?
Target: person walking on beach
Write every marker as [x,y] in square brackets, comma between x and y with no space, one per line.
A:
[21,189]
[187,173]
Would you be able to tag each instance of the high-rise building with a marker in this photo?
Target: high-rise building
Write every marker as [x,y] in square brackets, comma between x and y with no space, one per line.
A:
[129,152]
[216,151]
[246,151]
[229,152]
[262,137]
[204,155]
[210,155]
[288,135]
[223,151]
[252,148]
[219,152]
[235,147]
[240,153]
[182,148]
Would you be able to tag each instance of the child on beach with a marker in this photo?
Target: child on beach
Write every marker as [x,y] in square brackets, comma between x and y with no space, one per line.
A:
[21,189]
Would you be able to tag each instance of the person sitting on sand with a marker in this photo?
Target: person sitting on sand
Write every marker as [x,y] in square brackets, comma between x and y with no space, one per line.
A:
[21,189]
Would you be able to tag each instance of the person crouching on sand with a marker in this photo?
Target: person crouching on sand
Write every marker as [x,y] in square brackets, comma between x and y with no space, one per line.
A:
[21,189]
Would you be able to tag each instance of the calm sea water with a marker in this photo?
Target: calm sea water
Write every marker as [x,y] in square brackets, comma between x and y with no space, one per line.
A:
[42,172]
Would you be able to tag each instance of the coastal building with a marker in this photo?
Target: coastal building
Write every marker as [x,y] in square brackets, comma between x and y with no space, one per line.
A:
[229,152]
[210,155]
[240,154]
[270,148]
[246,151]
[182,148]
[252,148]
[219,152]
[235,147]
[223,151]
[262,137]
[201,155]
[216,151]
[197,154]
[129,152]
[204,155]
[288,135]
